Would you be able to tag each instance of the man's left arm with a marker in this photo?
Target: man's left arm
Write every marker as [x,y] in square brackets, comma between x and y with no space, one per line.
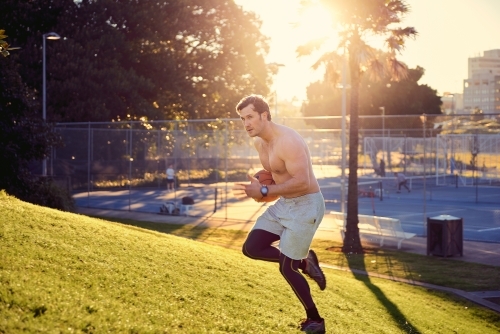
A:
[297,166]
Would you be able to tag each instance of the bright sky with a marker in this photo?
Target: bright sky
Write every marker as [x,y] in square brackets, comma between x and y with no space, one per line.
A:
[449,32]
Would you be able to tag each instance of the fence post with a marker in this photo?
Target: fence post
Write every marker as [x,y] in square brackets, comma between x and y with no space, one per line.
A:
[88,163]
[130,170]
[215,199]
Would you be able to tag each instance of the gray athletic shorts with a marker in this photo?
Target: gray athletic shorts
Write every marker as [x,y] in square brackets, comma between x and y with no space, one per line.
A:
[295,220]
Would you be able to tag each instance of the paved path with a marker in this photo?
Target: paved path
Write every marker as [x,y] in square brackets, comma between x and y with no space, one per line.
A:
[481,221]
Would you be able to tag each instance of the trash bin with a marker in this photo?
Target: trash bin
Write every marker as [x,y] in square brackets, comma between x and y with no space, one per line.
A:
[445,236]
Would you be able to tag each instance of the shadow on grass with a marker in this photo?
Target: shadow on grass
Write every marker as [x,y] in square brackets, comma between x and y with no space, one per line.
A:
[212,235]
[355,261]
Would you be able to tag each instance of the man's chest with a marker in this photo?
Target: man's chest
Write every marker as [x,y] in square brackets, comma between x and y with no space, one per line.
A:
[271,160]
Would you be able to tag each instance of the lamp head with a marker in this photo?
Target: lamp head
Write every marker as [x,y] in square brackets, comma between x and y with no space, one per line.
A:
[52,36]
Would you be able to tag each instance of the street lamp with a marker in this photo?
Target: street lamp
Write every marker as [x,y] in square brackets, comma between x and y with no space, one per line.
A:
[383,131]
[274,67]
[423,118]
[452,104]
[452,110]
[51,36]
[452,113]
[343,136]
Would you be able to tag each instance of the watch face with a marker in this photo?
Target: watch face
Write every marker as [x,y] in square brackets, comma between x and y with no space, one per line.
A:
[264,190]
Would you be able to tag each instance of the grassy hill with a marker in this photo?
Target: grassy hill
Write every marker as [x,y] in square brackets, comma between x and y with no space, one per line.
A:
[67,273]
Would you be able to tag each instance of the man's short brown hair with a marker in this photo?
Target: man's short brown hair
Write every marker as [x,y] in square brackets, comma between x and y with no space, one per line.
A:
[259,103]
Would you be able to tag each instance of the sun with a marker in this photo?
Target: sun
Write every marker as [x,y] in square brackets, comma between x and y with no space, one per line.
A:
[313,22]
[290,25]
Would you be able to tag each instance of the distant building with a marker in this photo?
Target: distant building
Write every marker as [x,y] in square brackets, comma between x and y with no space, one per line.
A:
[453,103]
[482,87]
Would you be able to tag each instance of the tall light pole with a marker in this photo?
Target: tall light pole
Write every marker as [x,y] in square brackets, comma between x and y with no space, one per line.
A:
[423,118]
[452,112]
[51,36]
[343,136]
[383,131]
[274,68]
[452,104]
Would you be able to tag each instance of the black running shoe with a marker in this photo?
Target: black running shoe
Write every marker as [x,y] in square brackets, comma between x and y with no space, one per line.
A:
[313,326]
[313,270]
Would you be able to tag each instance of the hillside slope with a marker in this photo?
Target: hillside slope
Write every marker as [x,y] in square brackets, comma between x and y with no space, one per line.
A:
[67,273]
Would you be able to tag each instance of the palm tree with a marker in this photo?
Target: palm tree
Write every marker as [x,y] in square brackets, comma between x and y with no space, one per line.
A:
[359,23]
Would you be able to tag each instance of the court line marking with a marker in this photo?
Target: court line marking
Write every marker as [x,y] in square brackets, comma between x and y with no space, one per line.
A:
[489,229]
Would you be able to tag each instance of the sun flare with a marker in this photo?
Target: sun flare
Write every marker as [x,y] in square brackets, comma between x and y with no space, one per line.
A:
[313,22]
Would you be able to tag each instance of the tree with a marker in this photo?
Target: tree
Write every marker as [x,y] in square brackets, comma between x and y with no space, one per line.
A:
[357,21]
[121,59]
[4,46]
[23,134]
[404,97]
[25,137]
[322,99]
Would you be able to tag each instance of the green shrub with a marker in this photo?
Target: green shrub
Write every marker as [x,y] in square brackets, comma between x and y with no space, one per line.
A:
[45,192]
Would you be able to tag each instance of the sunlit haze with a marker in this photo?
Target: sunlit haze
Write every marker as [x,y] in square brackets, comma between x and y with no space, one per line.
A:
[449,32]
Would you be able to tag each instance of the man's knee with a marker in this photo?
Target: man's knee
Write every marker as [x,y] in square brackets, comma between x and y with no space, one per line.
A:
[244,249]
[247,250]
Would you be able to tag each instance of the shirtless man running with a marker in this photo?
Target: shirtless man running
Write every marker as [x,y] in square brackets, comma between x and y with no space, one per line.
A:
[296,215]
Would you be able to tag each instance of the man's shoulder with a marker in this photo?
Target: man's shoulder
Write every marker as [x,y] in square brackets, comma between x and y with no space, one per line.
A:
[289,133]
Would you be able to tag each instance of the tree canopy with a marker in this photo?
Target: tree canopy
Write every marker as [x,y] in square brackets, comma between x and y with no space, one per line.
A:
[23,134]
[404,97]
[120,59]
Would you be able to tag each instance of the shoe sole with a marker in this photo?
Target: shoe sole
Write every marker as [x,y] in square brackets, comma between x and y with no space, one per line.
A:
[315,258]
[321,331]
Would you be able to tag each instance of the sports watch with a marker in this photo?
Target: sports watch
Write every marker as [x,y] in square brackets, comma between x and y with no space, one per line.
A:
[264,190]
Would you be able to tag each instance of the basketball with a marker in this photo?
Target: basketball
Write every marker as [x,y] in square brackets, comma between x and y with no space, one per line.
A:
[265,177]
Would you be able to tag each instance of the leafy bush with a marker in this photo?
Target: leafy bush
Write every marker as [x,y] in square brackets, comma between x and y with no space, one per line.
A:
[45,192]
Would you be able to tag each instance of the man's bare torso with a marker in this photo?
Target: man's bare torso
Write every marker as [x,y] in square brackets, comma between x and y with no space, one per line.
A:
[275,155]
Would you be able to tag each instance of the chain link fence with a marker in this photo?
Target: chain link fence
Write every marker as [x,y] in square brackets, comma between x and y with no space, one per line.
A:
[448,150]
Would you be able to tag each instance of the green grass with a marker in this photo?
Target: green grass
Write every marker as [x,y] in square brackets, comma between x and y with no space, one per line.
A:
[67,273]
[441,271]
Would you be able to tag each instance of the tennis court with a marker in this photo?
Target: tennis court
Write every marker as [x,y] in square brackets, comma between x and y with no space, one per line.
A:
[479,207]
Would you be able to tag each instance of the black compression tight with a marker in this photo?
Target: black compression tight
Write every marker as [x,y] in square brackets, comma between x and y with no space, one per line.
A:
[259,246]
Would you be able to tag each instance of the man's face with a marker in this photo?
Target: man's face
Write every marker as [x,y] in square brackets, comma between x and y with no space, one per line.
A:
[252,120]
